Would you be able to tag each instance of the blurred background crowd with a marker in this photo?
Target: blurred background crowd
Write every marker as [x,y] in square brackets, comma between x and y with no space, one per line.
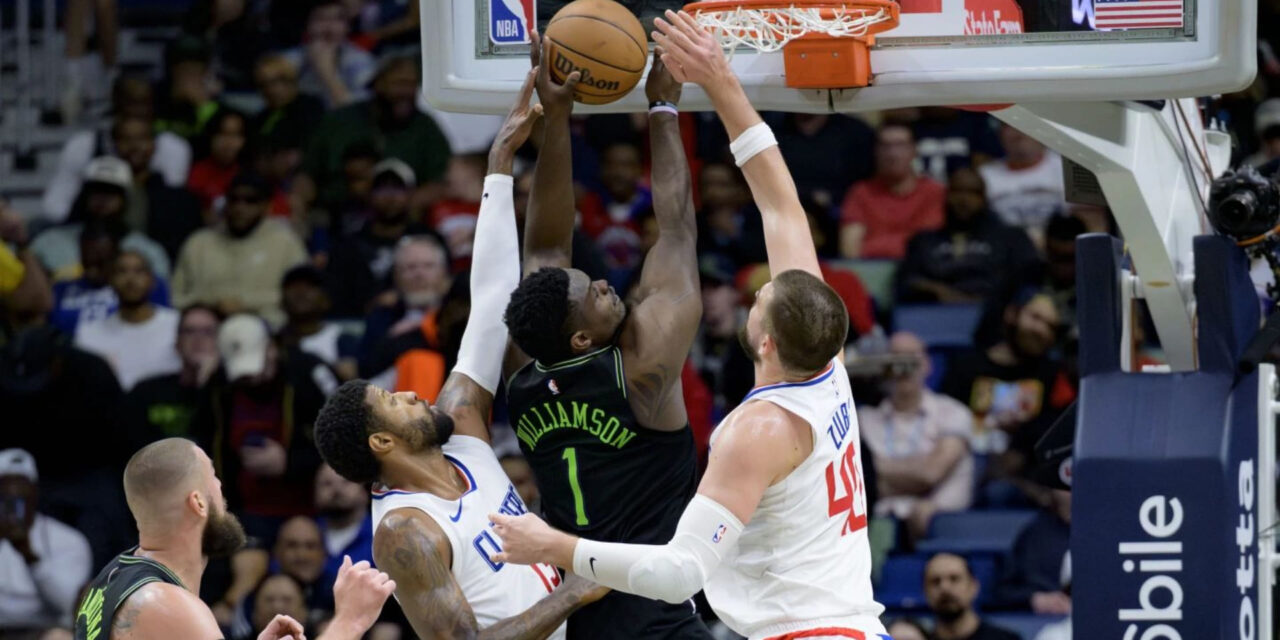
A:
[232,206]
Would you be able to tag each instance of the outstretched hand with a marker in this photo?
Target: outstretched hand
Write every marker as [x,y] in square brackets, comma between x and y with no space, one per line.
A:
[359,593]
[556,99]
[661,85]
[283,627]
[526,539]
[690,52]
[515,131]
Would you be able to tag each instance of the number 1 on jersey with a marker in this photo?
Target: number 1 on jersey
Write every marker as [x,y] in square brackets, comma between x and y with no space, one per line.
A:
[571,455]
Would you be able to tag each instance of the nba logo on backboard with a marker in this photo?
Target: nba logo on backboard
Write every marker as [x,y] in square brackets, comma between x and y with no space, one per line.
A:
[509,20]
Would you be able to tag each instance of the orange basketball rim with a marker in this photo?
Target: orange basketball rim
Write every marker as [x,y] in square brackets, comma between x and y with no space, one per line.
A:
[825,44]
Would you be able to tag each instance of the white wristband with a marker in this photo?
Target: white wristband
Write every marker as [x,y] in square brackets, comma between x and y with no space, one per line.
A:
[755,139]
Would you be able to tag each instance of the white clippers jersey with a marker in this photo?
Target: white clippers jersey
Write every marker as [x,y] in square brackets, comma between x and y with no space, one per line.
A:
[803,563]
[494,590]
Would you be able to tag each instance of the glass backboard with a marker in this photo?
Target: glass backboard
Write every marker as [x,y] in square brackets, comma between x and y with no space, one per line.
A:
[944,52]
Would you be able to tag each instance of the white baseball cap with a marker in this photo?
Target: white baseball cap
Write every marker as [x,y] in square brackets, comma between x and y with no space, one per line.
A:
[17,462]
[1267,115]
[109,170]
[242,342]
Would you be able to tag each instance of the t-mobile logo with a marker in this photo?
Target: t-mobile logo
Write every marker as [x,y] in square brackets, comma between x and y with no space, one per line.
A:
[1160,558]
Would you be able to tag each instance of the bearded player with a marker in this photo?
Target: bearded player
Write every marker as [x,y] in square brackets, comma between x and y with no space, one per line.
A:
[777,534]
[433,487]
[594,384]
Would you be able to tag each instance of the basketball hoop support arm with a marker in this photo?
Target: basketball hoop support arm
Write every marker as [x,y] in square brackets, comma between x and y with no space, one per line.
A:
[1149,165]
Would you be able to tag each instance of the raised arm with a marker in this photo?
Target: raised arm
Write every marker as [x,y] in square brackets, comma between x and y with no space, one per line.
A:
[548,225]
[693,55]
[412,548]
[467,395]
[668,304]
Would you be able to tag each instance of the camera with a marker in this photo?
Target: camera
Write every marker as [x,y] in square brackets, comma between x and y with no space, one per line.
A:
[1244,204]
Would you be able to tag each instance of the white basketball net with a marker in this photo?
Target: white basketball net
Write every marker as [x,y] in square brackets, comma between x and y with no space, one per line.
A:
[771,28]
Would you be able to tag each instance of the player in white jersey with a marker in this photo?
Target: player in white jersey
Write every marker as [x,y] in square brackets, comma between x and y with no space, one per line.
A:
[435,477]
[777,535]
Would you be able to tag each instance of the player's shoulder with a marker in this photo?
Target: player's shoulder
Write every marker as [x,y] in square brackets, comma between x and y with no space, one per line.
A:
[760,424]
[408,528]
[160,609]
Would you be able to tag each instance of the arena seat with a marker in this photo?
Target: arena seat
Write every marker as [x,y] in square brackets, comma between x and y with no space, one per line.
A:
[967,532]
[901,582]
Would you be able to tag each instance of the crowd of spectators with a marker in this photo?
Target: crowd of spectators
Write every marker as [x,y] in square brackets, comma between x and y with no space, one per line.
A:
[277,213]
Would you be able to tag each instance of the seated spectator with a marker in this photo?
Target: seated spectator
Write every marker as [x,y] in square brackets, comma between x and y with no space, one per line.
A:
[1061,630]
[329,66]
[173,405]
[454,217]
[948,139]
[359,160]
[277,595]
[360,266]
[43,563]
[1033,576]
[906,629]
[239,265]
[1266,124]
[920,440]
[222,158]
[391,117]
[1013,386]
[138,339]
[289,114]
[299,553]
[521,476]
[1025,188]
[342,508]
[90,297]
[131,97]
[189,98]
[420,272]
[418,358]
[725,225]
[103,203]
[834,149]
[388,24]
[1060,263]
[25,295]
[306,304]
[263,423]
[166,214]
[586,255]
[717,353]
[610,216]
[972,258]
[880,214]
[46,382]
[951,589]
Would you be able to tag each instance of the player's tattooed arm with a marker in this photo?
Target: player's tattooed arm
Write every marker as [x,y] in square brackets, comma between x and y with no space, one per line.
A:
[412,549]
[468,403]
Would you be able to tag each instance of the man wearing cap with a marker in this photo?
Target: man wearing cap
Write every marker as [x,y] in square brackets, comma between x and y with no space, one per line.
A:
[361,264]
[306,304]
[263,423]
[238,266]
[43,563]
[391,120]
[102,203]
[136,340]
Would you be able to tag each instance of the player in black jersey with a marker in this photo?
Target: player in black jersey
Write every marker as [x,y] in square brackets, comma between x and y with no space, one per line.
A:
[593,383]
[150,591]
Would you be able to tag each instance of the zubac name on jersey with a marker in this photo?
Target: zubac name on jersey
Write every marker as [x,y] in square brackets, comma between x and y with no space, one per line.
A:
[539,420]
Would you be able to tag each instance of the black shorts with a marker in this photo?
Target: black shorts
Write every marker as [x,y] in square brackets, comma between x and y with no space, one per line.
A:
[622,615]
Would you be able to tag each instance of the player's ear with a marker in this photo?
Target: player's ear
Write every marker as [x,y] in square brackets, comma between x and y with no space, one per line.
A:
[381,443]
[580,341]
[198,504]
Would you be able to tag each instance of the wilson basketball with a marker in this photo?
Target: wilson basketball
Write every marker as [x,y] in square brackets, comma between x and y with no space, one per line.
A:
[603,41]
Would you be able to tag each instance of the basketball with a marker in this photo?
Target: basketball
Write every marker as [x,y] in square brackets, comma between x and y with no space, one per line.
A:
[603,41]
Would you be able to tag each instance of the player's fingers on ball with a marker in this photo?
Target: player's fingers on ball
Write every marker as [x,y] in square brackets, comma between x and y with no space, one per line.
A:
[572,79]
[535,47]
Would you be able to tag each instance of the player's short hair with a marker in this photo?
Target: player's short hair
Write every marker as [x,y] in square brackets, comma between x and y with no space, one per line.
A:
[807,320]
[538,313]
[155,470]
[342,433]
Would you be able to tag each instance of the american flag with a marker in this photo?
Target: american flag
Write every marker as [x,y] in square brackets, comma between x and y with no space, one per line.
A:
[1137,14]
